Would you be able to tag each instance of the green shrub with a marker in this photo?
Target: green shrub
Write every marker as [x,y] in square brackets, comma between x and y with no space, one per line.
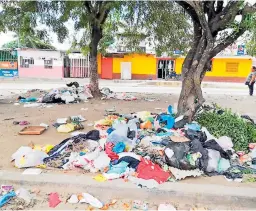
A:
[229,124]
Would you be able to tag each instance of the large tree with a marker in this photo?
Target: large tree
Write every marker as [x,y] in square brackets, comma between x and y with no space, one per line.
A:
[90,17]
[217,24]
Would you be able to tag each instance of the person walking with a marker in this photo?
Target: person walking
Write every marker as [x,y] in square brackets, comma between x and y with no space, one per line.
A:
[251,80]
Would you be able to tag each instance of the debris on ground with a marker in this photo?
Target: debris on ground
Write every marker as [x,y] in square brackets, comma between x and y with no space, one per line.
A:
[144,148]
[54,200]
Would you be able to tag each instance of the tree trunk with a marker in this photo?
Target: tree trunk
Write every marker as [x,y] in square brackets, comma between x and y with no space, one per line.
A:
[193,71]
[96,35]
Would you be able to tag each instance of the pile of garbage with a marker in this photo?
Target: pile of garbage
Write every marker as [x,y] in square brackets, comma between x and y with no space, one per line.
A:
[145,148]
[73,93]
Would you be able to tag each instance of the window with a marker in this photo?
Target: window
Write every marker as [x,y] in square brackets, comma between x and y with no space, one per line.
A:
[232,67]
[26,62]
[48,63]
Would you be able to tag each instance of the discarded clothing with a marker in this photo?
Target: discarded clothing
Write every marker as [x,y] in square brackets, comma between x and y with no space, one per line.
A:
[133,163]
[118,168]
[109,150]
[148,170]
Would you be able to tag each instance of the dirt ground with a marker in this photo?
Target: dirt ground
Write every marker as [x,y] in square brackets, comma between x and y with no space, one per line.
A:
[40,197]
[10,141]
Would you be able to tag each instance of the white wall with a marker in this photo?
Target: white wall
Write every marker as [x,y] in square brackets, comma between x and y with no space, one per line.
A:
[38,56]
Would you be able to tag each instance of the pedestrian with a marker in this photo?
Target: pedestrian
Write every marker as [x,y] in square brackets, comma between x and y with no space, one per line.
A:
[251,80]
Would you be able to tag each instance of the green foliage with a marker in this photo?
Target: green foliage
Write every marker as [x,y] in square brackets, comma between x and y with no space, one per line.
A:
[28,42]
[229,124]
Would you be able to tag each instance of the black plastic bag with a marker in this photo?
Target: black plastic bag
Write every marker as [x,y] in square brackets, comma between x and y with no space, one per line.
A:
[212,144]
[179,160]
[93,135]
[196,146]
[199,135]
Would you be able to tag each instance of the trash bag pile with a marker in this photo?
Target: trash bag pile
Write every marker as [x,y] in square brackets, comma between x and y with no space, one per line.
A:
[73,93]
[145,148]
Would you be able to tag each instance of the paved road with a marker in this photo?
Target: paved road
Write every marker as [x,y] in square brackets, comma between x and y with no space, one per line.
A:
[14,87]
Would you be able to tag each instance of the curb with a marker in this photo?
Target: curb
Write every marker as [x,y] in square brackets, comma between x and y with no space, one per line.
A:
[185,192]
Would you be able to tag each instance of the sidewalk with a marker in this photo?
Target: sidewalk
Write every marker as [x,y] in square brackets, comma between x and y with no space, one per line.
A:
[148,83]
[201,193]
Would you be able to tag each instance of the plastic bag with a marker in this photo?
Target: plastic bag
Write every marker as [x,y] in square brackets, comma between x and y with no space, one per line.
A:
[24,194]
[223,165]
[175,155]
[7,197]
[225,143]
[89,199]
[119,147]
[214,157]
[67,128]
[31,159]
[193,126]
[102,161]
[21,152]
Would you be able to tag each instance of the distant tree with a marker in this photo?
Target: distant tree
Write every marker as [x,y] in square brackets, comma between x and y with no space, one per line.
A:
[28,42]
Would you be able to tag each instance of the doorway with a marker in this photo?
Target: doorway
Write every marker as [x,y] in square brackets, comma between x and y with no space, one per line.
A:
[164,67]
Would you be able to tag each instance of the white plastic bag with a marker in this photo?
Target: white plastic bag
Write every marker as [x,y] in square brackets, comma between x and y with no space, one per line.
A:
[31,159]
[24,194]
[89,199]
[225,143]
[207,133]
[101,161]
[21,152]
[214,157]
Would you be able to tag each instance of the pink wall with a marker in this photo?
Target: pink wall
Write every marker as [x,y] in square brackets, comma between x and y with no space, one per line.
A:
[41,72]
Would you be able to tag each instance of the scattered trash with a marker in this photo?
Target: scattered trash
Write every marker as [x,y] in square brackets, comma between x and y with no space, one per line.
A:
[44,125]
[24,194]
[32,130]
[89,199]
[73,199]
[53,200]
[84,109]
[140,205]
[6,198]
[21,123]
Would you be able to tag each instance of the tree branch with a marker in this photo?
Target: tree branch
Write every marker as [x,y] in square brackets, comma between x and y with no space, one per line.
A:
[227,15]
[189,9]
[105,9]
[88,6]
[219,7]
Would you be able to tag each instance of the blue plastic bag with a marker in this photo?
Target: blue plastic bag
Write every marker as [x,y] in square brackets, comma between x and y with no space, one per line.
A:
[119,147]
[7,197]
